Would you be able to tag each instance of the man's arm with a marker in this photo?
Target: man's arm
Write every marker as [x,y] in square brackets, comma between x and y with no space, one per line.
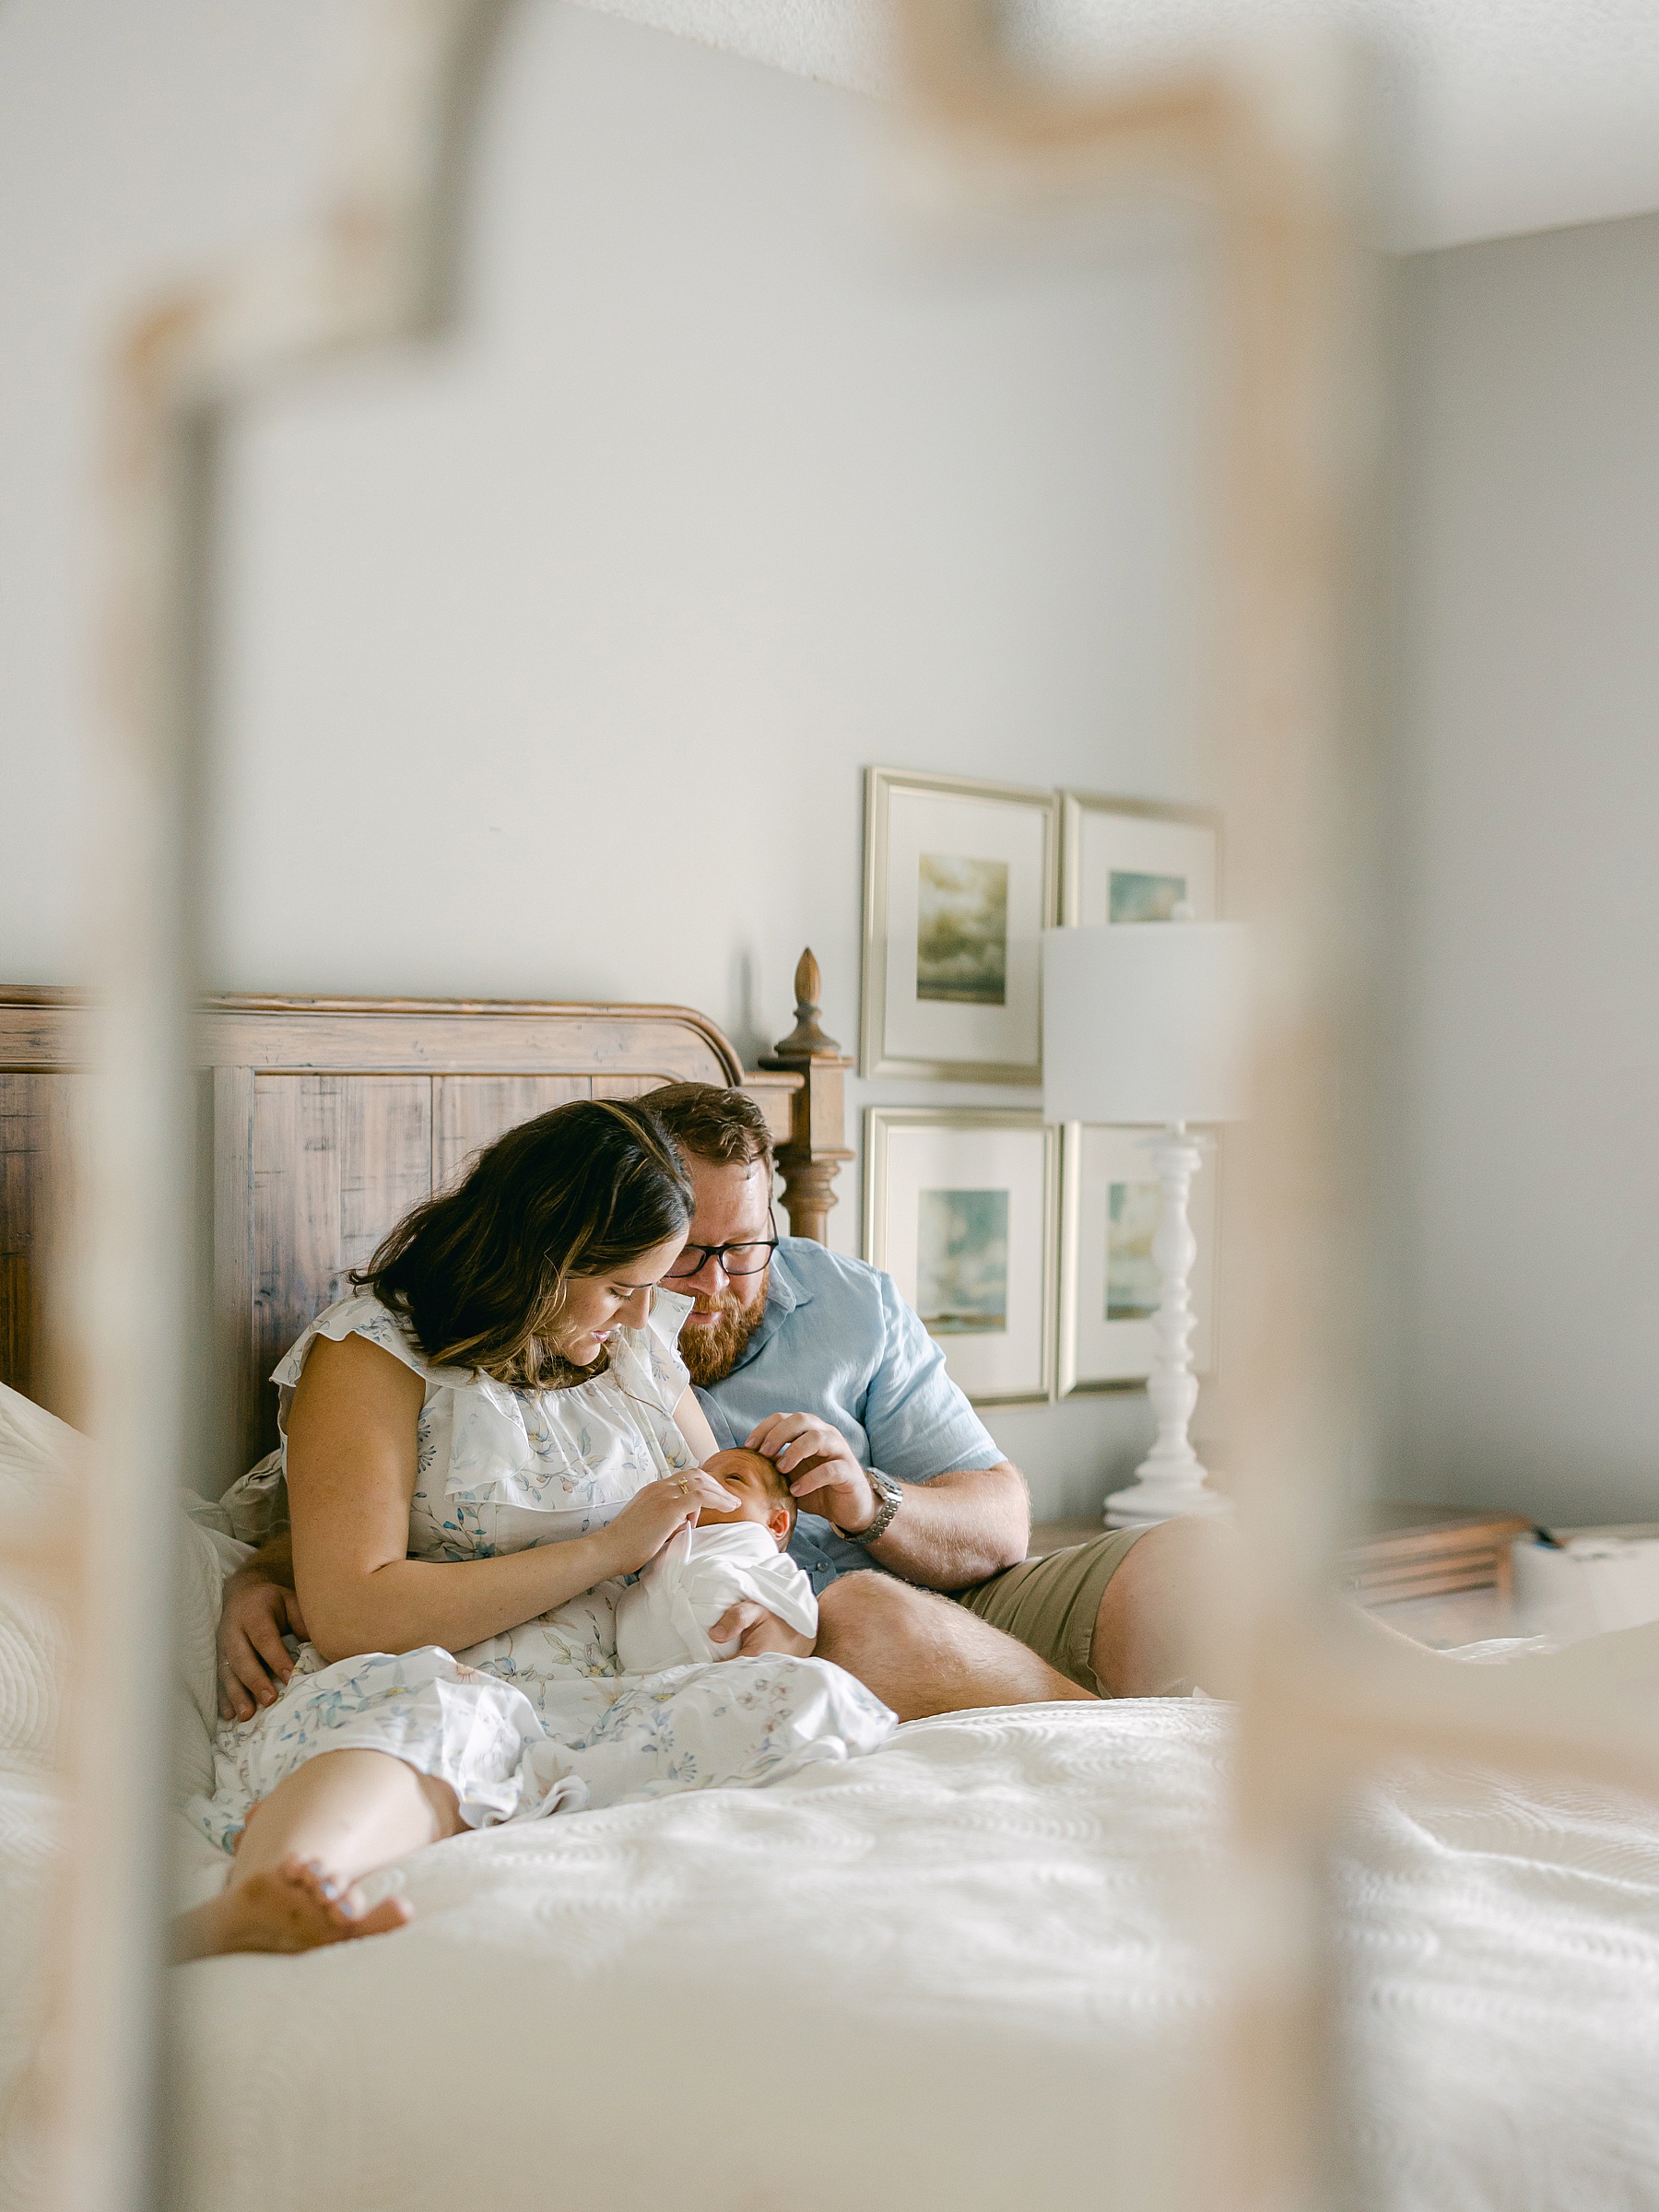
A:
[959,1528]
[950,1532]
[273,1562]
[258,1608]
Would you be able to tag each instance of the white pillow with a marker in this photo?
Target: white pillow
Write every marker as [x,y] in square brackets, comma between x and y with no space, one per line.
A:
[40,1461]
[43,1462]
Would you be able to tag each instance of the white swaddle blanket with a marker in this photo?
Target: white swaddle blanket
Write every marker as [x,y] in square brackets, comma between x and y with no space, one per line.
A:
[664,1619]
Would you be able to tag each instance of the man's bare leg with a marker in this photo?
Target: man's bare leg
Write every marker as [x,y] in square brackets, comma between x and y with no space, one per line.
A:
[305,1847]
[1149,1636]
[922,1654]
[1159,1632]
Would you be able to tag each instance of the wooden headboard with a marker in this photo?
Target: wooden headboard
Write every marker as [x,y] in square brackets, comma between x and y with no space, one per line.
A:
[327,1119]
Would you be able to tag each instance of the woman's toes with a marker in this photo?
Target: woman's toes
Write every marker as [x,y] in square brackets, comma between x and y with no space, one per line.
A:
[343,1901]
[283,1909]
[381,1919]
[297,1906]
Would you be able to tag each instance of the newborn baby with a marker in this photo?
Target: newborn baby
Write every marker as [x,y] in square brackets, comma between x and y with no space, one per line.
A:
[664,1619]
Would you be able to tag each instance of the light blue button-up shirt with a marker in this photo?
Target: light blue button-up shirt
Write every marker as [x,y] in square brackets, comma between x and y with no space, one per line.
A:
[837,1340]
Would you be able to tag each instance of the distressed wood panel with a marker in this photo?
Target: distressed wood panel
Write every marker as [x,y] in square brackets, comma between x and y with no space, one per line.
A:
[236,1382]
[328,1120]
[41,1028]
[41,1125]
[337,1159]
[470,1111]
[458,1037]
[387,1166]
[774,1095]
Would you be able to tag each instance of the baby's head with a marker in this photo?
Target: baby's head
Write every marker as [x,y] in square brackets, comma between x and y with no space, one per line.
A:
[759,1491]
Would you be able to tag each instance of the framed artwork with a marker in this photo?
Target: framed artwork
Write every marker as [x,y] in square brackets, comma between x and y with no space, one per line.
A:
[961,879]
[1123,860]
[960,1209]
[1109,1213]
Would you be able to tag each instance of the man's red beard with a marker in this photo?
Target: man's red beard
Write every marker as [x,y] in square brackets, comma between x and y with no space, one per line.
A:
[712,1350]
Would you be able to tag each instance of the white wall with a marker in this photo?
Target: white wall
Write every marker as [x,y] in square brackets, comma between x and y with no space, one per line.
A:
[1531,1342]
[717,497]
[553,655]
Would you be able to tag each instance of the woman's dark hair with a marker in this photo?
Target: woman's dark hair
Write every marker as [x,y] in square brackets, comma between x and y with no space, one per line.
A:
[480,1271]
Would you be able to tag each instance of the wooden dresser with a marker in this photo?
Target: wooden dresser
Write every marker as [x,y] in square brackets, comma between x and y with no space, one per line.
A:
[1431,1551]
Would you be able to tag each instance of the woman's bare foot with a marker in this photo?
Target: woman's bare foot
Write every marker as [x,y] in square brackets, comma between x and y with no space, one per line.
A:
[292,1907]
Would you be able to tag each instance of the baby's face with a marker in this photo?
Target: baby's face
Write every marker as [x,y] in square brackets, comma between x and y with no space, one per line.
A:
[752,1480]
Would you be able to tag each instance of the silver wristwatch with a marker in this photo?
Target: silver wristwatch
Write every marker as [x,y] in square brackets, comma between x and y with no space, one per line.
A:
[889,1496]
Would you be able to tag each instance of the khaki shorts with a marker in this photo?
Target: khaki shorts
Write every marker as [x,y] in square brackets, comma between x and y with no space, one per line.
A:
[1051,1605]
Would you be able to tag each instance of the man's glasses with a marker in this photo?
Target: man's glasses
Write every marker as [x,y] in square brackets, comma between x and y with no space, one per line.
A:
[747,1258]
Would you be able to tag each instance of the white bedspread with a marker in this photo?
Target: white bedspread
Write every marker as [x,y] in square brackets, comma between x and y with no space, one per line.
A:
[957,1974]
[961,1975]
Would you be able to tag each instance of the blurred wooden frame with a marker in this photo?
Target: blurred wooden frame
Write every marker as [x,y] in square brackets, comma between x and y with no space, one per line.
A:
[1273,141]
[1267,143]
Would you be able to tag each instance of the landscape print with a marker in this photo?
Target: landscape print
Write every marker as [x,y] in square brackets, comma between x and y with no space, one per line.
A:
[1131,1215]
[1135,896]
[962,1262]
[962,930]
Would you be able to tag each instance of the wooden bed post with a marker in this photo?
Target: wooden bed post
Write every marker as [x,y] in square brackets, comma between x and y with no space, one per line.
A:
[818,1124]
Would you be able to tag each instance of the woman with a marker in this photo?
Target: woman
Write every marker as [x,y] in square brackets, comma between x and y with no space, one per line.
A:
[491,1429]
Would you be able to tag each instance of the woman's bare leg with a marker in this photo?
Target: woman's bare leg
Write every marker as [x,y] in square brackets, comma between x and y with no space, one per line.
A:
[305,1846]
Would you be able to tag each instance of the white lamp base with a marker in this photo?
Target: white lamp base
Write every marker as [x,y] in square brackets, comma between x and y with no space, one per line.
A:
[1148,1499]
[1170,1479]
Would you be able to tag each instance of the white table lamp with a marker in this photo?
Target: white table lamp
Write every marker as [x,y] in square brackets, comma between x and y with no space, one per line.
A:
[1145,1023]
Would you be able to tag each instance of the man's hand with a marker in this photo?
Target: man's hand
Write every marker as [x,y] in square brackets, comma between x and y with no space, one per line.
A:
[253,1618]
[824,1477]
[760,1631]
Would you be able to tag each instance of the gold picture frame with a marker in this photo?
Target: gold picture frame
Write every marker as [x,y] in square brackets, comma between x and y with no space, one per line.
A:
[1095,1350]
[981,1274]
[962,876]
[1165,841]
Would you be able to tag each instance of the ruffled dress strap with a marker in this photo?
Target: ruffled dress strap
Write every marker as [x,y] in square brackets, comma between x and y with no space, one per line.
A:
[499,1467]
[256,1506]
[361,1315]
[648,1361]
[592,1446]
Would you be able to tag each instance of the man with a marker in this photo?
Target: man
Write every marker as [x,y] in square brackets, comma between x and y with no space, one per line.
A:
[894,1470]
[891,1468]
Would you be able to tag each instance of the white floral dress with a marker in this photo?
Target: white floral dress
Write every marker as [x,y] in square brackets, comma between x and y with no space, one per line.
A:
[538,1720]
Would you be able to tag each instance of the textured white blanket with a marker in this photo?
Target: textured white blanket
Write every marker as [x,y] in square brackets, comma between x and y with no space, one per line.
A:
[960,1973]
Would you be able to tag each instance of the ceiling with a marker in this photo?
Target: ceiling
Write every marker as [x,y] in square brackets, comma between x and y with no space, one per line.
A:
[1524,114]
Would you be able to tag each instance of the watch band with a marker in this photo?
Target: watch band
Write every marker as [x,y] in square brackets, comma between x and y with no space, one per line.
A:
[889,1496]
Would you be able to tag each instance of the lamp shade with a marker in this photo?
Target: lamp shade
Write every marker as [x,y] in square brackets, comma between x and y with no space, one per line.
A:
[1145,1021]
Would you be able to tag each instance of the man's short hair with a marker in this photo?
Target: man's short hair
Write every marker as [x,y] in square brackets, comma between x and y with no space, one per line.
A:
[713,1123]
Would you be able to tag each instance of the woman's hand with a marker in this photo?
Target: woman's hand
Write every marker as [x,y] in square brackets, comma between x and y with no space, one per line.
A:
[651,1516]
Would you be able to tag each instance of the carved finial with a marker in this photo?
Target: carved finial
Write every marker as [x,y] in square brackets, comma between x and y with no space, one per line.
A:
[806,1038]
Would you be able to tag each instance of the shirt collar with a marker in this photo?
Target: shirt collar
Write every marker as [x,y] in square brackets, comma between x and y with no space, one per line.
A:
[784,1292]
